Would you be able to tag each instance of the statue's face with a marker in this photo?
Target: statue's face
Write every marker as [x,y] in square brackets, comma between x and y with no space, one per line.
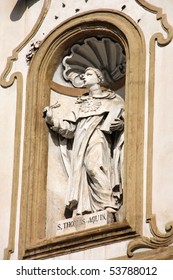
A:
[89,78]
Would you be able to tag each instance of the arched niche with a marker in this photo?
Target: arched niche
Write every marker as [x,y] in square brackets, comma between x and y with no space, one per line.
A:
[115,25]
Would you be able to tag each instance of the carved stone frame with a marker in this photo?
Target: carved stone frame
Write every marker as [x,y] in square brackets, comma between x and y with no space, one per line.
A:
[33,242]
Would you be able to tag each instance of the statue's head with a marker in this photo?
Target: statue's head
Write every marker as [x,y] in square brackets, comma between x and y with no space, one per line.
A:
[92,76]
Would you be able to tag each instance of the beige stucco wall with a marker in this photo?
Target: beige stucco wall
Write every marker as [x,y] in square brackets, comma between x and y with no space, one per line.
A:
[14,30]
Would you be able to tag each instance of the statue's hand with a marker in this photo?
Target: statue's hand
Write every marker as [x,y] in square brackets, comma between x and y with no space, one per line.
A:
[117,124]
[48,115]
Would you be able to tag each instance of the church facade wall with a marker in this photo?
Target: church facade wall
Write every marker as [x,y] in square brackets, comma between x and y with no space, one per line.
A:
[37,32]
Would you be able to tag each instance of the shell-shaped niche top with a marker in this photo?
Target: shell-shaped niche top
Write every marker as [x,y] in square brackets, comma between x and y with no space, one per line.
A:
[104,54]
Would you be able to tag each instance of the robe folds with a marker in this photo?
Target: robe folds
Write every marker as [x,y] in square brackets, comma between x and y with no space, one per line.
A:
[95,164]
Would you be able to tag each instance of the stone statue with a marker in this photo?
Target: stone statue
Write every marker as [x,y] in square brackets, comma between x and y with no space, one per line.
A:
[95,127]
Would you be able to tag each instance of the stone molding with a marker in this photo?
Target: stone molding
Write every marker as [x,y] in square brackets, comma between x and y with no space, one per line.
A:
[160,253]
[74,242]
[158,239]
[6,82]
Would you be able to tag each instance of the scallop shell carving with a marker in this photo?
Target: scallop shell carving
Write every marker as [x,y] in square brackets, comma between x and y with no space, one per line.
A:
[104,54]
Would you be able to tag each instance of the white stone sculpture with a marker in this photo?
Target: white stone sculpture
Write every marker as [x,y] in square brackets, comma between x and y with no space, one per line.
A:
[33,49]
[95,125]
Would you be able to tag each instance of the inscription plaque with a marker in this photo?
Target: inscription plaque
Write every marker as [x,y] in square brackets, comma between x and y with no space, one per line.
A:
[82,222]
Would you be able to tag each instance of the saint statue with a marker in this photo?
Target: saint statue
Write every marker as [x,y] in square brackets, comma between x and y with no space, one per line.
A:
[95,127]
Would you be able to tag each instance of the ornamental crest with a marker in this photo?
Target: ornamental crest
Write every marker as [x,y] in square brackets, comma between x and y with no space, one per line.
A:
[88,104]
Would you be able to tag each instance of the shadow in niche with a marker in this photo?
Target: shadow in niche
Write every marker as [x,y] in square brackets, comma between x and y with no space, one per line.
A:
[20,8]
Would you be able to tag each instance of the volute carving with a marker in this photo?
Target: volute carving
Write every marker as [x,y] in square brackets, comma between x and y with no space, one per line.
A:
[158,240]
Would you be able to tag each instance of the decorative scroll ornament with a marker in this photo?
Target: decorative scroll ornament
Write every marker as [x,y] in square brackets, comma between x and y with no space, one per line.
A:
[33,48]
[158,240]
[104,54]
